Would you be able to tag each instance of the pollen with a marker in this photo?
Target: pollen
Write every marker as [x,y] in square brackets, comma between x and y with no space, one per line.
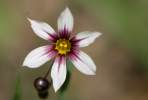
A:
[63,46]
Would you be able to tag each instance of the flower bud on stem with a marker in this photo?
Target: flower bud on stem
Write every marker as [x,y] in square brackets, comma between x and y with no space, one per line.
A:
[42,84]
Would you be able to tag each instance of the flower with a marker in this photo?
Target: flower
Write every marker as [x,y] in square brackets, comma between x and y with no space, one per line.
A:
[63,45]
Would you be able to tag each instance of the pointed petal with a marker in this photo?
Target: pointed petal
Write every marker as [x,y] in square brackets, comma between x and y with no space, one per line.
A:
[42,29]
[65,21]
[39,56]
[83,63]
[86,38]
[58,72]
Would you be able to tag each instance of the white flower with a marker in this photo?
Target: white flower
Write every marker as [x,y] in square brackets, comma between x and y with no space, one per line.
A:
[62,46]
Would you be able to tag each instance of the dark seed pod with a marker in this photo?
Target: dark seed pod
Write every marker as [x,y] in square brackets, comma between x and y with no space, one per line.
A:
[41,84]
[43,95]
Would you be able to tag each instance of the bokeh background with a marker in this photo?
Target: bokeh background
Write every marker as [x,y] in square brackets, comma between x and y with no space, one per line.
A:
[121,53]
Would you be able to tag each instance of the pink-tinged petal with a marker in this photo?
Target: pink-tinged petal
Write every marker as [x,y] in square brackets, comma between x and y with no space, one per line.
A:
[39,56]
[83,63]
[86,38]
[42,29]
[58,72]
[65,21]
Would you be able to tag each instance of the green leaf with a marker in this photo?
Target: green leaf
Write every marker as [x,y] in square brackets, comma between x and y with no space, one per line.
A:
[17,94]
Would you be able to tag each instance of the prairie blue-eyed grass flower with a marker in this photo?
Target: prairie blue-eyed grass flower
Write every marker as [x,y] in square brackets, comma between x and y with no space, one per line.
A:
[62,46]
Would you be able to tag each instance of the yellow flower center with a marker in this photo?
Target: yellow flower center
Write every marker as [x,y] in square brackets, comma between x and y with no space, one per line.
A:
[63,46]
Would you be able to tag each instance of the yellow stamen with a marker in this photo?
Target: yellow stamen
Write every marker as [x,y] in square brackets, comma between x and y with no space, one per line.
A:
[63,46]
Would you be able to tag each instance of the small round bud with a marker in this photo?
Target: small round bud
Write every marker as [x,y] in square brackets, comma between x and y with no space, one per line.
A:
[41,84]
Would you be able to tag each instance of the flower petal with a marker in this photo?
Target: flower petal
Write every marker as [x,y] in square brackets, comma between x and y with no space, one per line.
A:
[83,63]
[86,38]
[39,56]
[58,72]
[42,29]
[65,21]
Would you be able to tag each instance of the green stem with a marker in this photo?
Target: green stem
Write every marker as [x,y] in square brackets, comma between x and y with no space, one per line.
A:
[63,89]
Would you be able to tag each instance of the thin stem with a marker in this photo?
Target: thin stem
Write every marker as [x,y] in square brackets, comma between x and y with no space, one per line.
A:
[46,75]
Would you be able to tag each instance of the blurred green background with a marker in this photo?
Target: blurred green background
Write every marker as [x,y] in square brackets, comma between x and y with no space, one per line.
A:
[121,53]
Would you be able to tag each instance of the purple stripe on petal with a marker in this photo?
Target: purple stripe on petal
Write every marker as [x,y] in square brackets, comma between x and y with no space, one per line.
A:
[74,54]
[86,38]
[39,56]
[64,33]
[76,41]
[74,45]
[58,72]
[53,37]
[60,60]
[83,63]
[50,51]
